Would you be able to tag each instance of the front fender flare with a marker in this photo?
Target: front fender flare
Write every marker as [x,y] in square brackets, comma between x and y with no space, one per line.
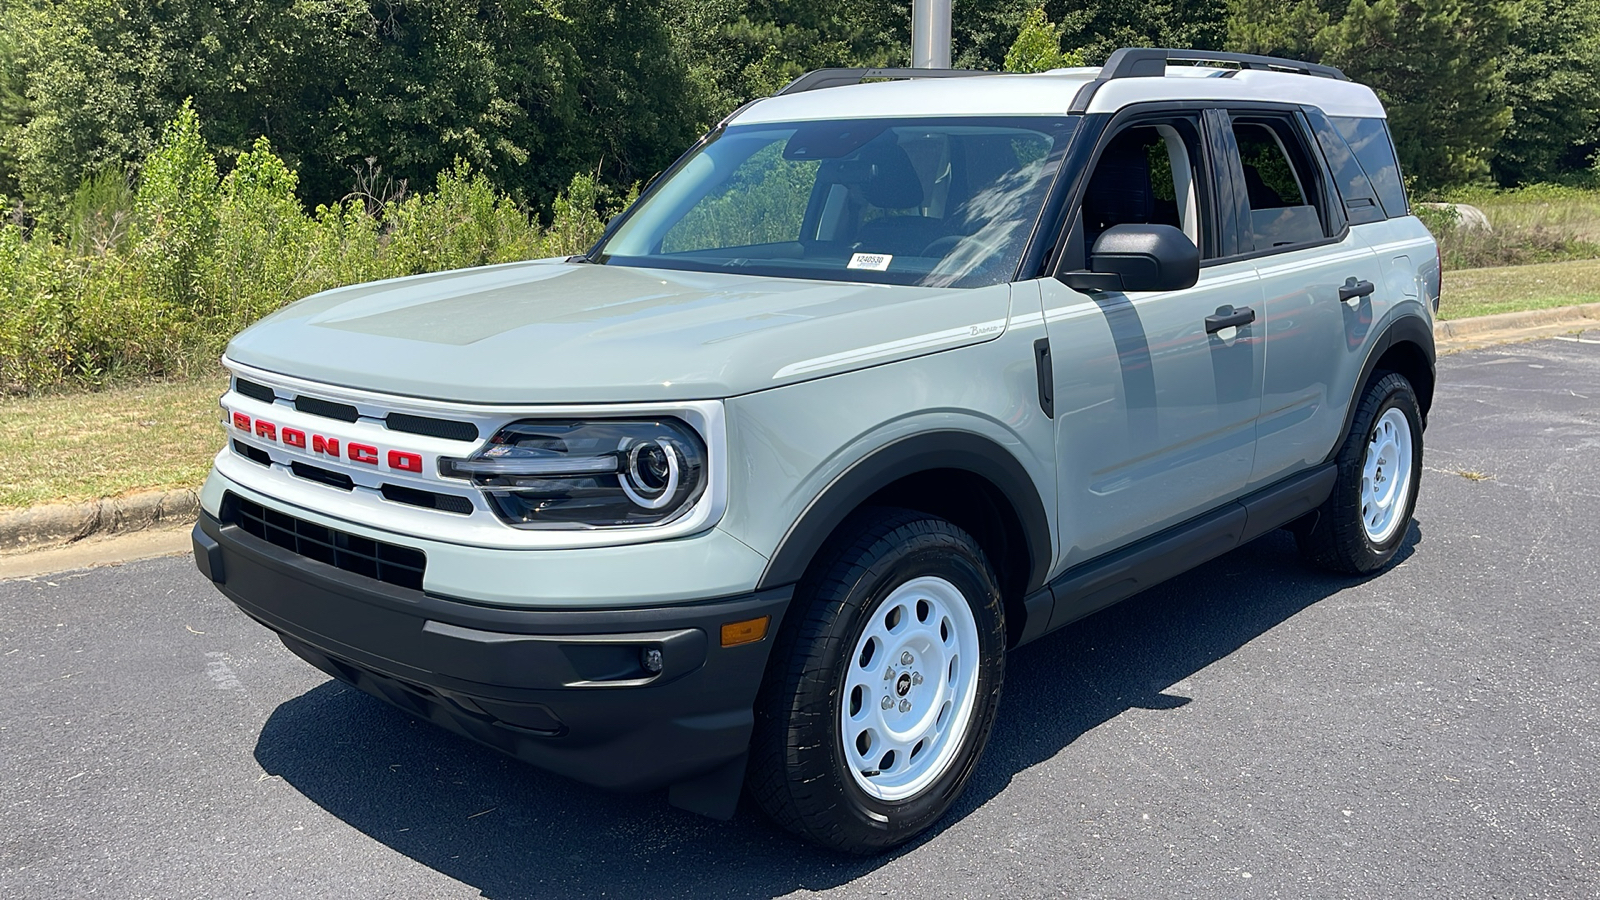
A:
[962,450]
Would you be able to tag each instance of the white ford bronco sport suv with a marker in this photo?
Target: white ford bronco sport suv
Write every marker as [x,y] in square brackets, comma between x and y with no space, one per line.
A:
[891,373]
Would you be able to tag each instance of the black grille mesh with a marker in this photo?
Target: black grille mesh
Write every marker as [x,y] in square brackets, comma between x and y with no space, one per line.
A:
[327,409]
[391,564]
[439,428]
[251,389]
[254,454]
[451,503]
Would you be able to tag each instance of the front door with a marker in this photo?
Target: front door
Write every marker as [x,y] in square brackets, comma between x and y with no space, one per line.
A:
[1155,407]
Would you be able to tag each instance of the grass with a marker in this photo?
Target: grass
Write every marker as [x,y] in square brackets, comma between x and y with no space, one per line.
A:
[1574,212]
[82,446]
[1482,292]
[1535,224]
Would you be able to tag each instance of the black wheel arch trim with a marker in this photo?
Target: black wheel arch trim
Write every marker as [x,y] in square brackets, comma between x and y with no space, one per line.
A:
[964,450]
[1401,326]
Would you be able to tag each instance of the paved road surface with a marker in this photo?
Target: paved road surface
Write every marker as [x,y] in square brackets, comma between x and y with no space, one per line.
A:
[1252,729]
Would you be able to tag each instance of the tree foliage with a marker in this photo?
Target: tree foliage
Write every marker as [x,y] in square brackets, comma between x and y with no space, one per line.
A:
[530,92]
[738,50]
[1552,78]
[1038,46]
[153,282]
[1437,65]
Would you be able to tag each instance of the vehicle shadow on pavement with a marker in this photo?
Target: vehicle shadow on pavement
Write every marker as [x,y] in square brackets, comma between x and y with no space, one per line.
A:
[511,831]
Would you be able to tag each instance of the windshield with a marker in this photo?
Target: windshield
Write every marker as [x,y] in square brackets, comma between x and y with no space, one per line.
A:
[940,202]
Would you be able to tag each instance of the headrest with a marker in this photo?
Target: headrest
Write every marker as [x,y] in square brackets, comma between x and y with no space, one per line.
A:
[893,183]
[1119,192]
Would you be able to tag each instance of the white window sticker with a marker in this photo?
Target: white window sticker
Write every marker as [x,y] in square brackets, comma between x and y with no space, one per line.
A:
[877,262]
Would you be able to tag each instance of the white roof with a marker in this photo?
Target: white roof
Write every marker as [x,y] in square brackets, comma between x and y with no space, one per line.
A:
[1051,93]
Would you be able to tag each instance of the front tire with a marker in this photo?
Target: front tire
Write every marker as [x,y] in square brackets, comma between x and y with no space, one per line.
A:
[1361,525]
[885,684]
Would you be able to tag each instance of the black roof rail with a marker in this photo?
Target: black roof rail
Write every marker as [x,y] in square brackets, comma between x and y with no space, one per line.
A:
[1137,62]
[827,78]
[1151,62]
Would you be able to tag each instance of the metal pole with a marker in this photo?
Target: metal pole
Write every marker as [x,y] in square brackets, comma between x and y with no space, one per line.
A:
[930,34]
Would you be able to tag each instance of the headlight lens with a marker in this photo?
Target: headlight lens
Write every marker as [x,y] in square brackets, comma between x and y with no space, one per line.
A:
[568,474]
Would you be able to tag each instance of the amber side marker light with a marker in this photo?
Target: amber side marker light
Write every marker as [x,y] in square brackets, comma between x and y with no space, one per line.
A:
[747,632]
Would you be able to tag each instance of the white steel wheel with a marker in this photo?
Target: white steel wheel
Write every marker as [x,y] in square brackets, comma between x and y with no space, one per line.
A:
[1360,527]
[909,689]
[1386,476]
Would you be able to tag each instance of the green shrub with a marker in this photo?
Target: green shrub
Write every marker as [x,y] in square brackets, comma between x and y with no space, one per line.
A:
[1534,224]
[153,281]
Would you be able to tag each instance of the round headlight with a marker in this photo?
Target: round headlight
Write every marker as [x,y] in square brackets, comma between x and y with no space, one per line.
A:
[650,477]
[586,474]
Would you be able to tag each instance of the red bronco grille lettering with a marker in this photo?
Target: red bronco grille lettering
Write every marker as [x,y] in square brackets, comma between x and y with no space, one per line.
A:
[398,460]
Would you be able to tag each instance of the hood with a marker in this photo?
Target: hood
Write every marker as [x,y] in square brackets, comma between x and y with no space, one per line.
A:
[553,332]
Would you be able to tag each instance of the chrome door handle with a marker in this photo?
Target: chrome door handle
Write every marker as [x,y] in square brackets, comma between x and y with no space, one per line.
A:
[1228,317]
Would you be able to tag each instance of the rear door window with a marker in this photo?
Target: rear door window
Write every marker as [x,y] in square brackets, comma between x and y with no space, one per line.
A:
[1281,181]
[1369,140]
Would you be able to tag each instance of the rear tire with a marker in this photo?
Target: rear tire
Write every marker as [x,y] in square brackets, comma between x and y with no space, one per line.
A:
[1361,525]
[884,686]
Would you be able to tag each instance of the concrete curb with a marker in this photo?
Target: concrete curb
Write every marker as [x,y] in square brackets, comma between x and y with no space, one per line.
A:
[40,527]
[1479,326]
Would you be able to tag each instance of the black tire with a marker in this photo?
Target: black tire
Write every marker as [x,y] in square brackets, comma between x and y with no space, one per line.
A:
[798,770]
[1334,537]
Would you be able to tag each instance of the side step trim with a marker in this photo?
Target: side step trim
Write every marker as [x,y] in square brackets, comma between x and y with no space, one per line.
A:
[1092,586]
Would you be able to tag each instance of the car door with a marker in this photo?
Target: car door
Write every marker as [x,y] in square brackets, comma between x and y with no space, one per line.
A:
[1318,280]
[1155,408]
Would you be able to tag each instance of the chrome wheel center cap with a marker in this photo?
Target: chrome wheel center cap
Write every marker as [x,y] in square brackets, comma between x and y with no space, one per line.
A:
[902,685]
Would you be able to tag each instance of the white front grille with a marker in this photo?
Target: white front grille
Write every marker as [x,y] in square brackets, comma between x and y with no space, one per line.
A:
[302,448]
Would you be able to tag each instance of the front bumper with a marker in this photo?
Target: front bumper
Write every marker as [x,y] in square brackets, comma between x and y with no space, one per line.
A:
[565,690]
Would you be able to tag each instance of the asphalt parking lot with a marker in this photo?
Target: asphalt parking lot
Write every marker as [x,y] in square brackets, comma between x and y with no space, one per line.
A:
[1252,729]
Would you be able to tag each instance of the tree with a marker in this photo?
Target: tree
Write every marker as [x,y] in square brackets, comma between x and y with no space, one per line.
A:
[1038,47]
[13,110]
[985,29]
[1552,75]
[1437,65]
[529,92]
[1278,28]
[738,51]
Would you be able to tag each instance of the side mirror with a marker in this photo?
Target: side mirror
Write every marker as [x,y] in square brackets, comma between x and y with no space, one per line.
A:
[1139,258]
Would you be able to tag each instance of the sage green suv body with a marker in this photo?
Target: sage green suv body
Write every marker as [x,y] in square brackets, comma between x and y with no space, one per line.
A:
[877,382]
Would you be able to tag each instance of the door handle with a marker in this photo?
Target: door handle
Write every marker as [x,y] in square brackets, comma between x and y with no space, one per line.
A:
[1353,289]
[1228,317]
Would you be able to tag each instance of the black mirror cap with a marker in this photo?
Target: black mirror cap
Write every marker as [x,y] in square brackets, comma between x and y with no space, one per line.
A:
[1139,258]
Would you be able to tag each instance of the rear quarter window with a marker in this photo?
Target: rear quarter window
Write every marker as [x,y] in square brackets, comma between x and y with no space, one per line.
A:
[1360,199]
[1369,140]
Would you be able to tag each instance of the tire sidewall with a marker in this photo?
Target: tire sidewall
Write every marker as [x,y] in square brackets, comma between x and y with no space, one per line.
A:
[951,555]
[1389,392]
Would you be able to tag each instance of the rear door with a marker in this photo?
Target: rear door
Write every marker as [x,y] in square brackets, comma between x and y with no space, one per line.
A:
[1155,415]
[1318,280]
